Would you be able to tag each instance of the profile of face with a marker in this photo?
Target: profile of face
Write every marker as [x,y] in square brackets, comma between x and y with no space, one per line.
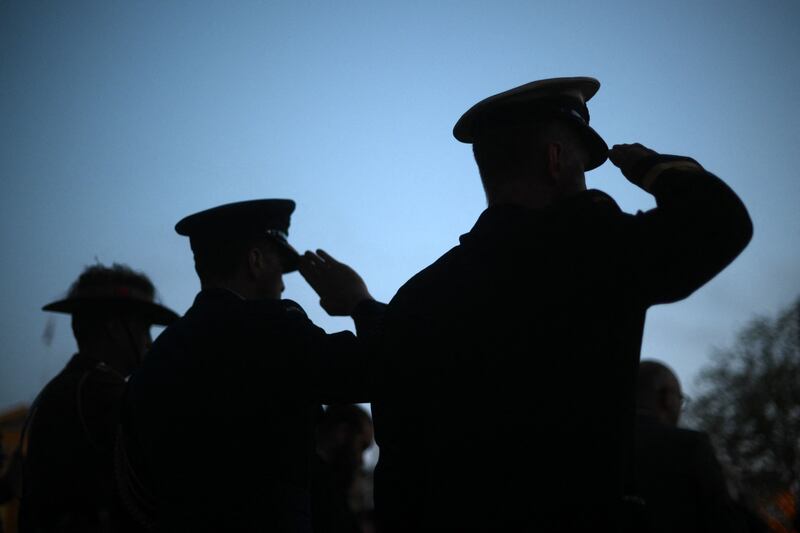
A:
[566,164]
[120,340]
[345,445]
[671,401]
[141,338]
[362,441]
[266,270]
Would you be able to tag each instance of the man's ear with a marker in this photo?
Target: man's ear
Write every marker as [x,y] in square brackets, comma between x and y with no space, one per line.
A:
[255,261]
[553,160]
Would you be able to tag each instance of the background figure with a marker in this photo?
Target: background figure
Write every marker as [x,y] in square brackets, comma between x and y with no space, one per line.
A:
[675,471]
[68,476]
[250,364]
[8,481]
[504,396]
[6,484]
[339,502]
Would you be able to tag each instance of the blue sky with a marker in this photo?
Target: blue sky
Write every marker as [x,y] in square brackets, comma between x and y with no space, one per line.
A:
[119,118]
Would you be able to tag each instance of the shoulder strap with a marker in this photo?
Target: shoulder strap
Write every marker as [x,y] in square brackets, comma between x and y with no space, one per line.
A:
[137,499]
[99,367]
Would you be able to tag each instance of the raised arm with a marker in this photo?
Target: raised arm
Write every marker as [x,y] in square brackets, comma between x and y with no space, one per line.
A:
[343,361]
[698,227]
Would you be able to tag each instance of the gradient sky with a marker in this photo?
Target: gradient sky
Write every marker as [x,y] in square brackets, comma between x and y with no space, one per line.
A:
[119,118]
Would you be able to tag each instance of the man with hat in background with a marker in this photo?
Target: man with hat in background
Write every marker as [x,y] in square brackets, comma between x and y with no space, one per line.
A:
[504,394]
[68,472]
[219,422]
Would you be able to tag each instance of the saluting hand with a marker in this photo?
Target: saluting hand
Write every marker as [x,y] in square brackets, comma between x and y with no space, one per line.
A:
[339,287]
[627,157]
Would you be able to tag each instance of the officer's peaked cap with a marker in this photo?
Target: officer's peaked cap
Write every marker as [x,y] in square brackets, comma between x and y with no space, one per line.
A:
[563,98]
[253,218]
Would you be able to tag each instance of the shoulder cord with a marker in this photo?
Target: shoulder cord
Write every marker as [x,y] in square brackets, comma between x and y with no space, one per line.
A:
[22,447]
[139,502]
[102,367]
[24,438]
[35,403]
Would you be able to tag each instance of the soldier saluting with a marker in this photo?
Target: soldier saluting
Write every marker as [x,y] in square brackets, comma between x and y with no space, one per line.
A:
[504,395]
[219,422]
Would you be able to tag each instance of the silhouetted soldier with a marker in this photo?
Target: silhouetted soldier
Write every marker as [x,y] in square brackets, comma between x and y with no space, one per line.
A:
[10,474]
[68,474]
[219,426]
[6,483]
[675,470]
[344,433]
[504,396]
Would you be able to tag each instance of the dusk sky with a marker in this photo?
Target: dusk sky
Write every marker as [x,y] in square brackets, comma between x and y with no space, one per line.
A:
[119,118]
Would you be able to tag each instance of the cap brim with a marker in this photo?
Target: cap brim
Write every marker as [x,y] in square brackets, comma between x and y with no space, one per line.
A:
[290,259]
[596,147]
[157,314]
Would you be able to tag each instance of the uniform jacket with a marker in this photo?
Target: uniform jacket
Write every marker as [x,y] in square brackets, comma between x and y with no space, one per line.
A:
[680,480]
[219,420]
[504,392]
[68,478]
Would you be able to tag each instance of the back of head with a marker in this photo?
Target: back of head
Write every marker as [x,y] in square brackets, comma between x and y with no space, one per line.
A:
[350,416]
[118,278]
[110,285]
[519,153]
[220,259]
[534,140]
[112,310]
[344,432]
[222,236]
[658,392]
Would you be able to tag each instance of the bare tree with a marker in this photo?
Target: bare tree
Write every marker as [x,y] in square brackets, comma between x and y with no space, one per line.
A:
[750,406]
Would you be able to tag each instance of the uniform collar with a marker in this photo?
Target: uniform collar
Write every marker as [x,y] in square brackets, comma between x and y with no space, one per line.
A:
[501,218]
[220,295]
[217,293]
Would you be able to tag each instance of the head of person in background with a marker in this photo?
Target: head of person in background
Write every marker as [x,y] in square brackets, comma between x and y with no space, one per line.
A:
[658,393]
[533,143]
[344,433]
[113,309]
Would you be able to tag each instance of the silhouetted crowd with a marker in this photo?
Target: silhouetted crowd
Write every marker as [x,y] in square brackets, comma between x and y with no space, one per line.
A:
[505,378]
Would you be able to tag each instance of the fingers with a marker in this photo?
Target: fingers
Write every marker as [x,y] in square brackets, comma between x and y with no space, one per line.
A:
[613,156]
[313,259]
[327,308]
[624,155]
[327,257]
[319,271]
[305,263]
[619,154]
[339,287]
[321,259]
[630,149]
[308,266]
